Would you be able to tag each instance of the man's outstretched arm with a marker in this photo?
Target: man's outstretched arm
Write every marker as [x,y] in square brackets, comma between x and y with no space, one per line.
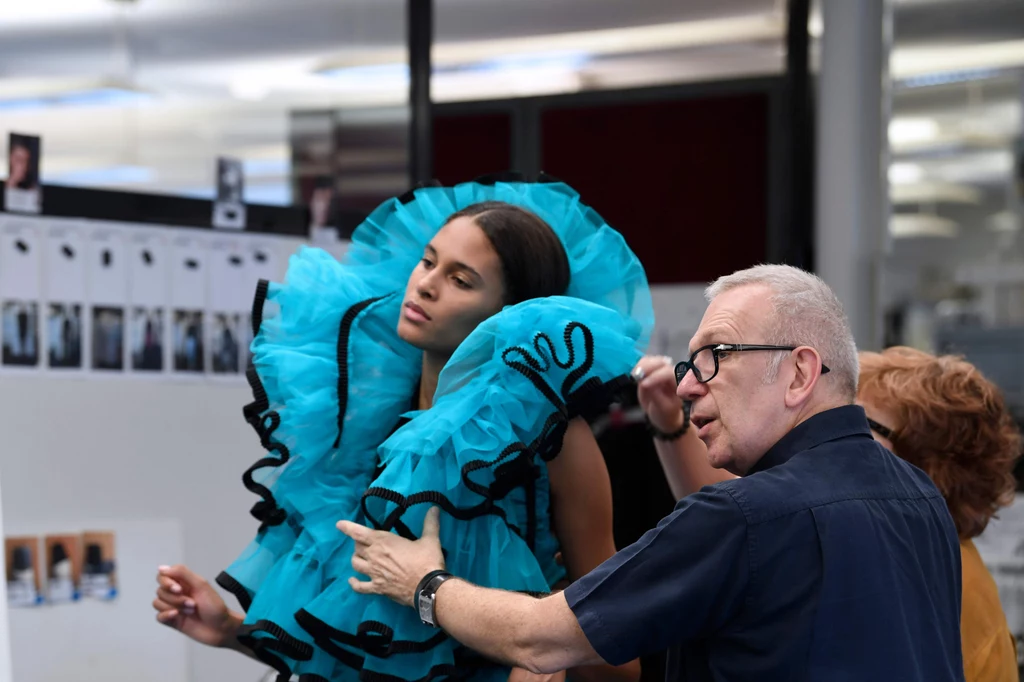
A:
[540,635]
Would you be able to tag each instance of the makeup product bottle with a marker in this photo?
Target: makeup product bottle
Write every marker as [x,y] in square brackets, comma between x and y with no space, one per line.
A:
[21,583]
[97,574]
[60,586]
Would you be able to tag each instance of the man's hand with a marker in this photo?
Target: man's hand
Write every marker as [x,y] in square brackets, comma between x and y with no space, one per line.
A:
[394,565]
[656,392]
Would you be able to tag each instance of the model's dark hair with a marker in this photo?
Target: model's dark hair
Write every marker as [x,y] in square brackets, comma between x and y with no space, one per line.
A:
[533,260]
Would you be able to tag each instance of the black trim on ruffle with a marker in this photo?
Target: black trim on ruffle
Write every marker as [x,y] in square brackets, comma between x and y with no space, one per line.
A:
[265,421]
[236,588]
[533,366]
[592,399]
[372,637]
[266,510]
[322,635]
[279,641]
[327,638]
[262,289]
[267,648]
[516,472]
[347,320]
[346,657]
[284,671]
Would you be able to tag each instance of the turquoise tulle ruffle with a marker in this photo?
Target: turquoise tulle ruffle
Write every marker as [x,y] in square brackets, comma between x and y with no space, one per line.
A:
[327,347]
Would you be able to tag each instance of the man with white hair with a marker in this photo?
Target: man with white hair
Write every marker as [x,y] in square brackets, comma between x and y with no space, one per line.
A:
[828,558]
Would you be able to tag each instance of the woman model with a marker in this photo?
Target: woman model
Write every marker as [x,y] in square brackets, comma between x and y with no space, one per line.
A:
[448,361]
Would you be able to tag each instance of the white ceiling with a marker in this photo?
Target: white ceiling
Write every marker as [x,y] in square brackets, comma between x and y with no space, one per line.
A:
[222,75]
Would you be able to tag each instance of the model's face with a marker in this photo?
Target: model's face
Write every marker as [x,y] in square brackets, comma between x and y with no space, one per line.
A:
[457,285]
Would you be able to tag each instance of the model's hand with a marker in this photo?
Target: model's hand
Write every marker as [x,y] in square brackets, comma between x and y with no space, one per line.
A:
[189,604]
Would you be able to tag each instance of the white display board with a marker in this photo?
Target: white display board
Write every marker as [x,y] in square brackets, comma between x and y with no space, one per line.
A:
[678,309]
[152,457]
[108,299]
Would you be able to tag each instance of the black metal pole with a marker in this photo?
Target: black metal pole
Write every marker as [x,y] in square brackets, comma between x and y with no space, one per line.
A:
[420,26]
[799,249]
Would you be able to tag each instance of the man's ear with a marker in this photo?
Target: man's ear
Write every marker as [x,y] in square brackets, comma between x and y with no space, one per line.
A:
[807,370]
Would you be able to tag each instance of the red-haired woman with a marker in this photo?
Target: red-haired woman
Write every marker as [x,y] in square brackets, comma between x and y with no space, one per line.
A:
[943,416]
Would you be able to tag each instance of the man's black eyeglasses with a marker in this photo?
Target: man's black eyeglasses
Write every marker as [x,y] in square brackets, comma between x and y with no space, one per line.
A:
[883,431]
[704,361]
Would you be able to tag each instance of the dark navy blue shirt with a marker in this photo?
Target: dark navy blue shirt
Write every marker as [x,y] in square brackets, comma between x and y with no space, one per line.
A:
[832,559]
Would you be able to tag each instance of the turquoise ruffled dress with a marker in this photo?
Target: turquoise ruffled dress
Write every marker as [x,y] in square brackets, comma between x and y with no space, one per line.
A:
[331,380]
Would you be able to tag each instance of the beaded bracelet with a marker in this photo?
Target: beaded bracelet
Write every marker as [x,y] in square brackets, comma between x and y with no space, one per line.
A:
[674,435]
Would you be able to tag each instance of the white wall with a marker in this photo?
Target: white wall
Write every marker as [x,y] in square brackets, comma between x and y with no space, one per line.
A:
[678,309]
[129,450]
[158,461]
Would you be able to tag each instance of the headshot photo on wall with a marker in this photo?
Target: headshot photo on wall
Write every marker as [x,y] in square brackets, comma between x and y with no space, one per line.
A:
[21,333]
[64,335]
[229,206]
[22,193]
[147,339]
[225,343]
[188,340]
[108,338]
[323,204]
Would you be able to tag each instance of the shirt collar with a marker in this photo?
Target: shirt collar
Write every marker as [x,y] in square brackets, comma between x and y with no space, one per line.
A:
[839,422]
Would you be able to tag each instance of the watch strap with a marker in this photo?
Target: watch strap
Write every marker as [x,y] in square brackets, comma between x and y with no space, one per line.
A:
[674,435]
[424,597]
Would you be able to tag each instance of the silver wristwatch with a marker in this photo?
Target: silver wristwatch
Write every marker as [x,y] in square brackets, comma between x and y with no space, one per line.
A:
[425,594]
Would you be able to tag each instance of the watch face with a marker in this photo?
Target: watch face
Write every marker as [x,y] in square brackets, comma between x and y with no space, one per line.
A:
[426,607]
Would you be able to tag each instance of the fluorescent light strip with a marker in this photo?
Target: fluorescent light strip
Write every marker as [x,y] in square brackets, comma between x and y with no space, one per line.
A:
[903,225]
[934,193]
[103,177]
[948,77]
[42,92]
[913,66]
[640,39]
[909,62]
